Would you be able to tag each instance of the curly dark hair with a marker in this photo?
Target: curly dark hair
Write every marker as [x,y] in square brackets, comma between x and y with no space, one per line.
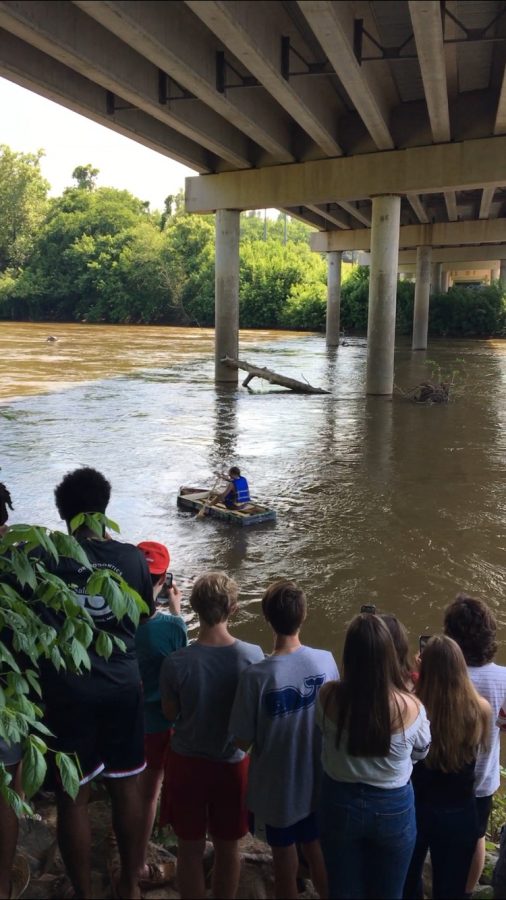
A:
[83,490]
[472,624]
[5,501]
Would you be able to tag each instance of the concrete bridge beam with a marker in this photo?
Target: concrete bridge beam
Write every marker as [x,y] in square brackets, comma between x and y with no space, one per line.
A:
[333,298]
[382,294]
[422,293]
[226,321]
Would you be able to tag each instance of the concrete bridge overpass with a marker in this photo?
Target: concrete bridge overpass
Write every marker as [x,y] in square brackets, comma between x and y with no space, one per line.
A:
[381,123]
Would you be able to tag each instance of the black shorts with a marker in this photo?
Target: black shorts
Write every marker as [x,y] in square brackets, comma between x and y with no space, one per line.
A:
[483,809]
[105,732]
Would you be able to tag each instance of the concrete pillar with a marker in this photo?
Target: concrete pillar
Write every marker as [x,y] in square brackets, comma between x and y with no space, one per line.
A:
[495,274]
[333,298]
[382,294]
[445,281]
[502,273]
[226,297]
[422,293]
[435,287]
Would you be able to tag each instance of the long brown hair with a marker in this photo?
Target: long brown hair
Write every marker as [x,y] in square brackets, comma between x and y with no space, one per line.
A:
[399,636]
[363,697]
[458,721]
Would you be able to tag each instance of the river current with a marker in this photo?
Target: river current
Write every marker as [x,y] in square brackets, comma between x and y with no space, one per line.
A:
[377,501]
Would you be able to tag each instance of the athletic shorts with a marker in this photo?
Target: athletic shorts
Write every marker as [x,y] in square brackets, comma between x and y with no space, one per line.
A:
[156,746]
[201,796]
[10,754]
[483,809]
[302,832]
[106,733]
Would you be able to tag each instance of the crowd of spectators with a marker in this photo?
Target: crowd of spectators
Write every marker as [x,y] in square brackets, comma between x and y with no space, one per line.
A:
[358,772]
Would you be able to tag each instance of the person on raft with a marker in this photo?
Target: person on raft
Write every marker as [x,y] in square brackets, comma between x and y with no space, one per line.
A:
[237,492]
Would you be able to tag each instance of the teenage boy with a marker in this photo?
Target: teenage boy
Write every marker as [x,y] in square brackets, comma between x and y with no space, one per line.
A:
[471,623]
[157,636]
[205,788]
[274,714]
[98,715]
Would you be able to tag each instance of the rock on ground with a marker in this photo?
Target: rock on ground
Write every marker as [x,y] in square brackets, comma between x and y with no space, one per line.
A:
[48,880]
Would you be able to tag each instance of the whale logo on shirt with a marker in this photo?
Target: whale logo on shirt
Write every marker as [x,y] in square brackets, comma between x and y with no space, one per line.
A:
[289,699]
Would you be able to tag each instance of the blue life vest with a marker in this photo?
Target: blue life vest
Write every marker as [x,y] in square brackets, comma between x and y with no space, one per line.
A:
[241,490]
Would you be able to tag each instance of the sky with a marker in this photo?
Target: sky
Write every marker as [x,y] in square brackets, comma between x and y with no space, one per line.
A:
[30,122]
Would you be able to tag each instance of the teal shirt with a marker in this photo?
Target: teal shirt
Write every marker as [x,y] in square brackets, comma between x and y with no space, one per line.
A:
[155,639]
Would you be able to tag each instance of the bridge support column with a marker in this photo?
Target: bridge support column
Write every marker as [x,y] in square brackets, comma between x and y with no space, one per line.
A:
[422,293]
[435,287]
[502,273]
[495,274]
[445,282]
[333,298]
[382,294]
[226,327]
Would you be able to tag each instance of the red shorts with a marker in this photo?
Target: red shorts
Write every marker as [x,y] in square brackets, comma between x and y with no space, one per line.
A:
[204,795]
[156,746]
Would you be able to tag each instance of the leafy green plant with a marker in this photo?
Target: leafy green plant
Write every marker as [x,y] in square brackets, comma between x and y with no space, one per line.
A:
[498,814]
[28,556]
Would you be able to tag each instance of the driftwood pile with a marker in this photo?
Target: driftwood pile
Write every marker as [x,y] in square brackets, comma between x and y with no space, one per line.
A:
[428,392]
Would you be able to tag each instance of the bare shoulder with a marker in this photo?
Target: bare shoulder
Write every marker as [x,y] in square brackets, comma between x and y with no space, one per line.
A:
[485,707]
[408,707]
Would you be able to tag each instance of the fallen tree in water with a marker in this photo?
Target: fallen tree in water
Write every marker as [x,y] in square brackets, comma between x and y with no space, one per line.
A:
[300,387]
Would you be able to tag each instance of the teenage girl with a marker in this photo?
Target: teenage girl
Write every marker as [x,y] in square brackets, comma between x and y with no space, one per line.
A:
[446,817]
[373,729]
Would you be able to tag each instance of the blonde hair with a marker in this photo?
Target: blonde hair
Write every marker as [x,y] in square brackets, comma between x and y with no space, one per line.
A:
[214,597]
[458,721]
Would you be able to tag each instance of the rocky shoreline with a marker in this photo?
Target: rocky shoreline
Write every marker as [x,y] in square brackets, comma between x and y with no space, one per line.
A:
[37,844]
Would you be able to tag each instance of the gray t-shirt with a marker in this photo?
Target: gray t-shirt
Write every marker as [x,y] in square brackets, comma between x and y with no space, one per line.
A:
[274,708]
[203,680]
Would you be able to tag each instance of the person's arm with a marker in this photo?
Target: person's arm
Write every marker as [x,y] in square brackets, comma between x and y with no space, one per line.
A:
[421,743]
[501,718]
[486,711]
[243,718]
[175,597]
[168,691]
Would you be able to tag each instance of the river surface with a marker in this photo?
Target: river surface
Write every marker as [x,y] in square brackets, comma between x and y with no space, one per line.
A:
[378,501]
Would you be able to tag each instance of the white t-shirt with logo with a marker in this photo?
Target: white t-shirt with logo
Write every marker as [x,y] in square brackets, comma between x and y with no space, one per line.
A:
[490,682]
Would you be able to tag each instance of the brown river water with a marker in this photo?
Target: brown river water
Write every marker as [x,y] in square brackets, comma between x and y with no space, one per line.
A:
[378,501]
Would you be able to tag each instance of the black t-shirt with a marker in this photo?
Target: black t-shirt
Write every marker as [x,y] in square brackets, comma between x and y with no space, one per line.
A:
[127,561]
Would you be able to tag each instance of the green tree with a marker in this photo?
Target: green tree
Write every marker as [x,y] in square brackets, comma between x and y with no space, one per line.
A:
[86,177]
[23,204]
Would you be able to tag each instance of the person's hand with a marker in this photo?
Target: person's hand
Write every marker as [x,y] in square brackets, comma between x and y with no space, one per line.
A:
[175,597]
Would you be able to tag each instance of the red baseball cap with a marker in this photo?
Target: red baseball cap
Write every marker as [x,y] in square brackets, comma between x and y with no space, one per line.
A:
[157,556]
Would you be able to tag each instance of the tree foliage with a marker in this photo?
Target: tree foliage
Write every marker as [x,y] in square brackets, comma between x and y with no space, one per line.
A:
[100,255]
[28,556]
[23,202]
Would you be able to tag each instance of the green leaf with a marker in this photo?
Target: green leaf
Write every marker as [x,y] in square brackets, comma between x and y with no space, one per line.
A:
[110,523]
[33,769]
[119,643]
[67,545]
[76,522]
[33,679]
[69,774]
[22,569]
[79,655]
[104,645]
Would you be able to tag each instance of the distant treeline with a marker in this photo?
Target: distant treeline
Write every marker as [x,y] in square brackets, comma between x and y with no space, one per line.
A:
[101,255]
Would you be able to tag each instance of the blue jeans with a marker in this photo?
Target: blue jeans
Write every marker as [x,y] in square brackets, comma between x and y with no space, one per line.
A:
[367,837]
[450,833]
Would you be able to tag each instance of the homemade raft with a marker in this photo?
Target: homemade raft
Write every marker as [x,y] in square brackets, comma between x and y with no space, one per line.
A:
[251,513]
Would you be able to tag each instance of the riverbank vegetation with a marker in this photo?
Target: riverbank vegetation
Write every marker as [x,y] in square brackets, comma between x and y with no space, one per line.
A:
[97,254]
